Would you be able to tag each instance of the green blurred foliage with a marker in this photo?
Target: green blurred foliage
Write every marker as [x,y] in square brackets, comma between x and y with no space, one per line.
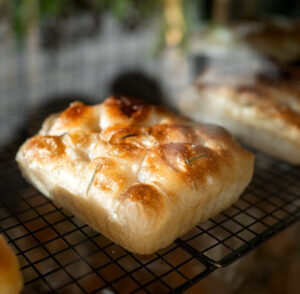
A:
[24,14]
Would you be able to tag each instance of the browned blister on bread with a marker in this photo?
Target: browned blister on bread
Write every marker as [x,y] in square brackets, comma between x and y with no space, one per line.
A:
[139,174]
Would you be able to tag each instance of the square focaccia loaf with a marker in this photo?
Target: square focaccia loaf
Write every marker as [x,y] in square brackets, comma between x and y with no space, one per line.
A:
[139,174]
[263,113]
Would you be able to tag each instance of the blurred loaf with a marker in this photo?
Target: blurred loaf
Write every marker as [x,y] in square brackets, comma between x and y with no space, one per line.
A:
[11,281]
[263,111]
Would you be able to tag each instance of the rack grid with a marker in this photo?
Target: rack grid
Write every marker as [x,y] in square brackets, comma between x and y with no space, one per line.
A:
[60,254]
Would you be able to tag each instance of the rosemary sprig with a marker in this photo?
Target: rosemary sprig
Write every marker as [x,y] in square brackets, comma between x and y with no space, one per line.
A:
[92,178]
[189,160]
[128,136]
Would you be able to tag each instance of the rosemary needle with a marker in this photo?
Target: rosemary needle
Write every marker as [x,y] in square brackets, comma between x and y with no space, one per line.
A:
[92,178]
[189,160]
[128,136]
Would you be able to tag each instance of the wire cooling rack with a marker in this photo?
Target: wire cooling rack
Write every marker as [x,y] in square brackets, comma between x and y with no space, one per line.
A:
[60,254]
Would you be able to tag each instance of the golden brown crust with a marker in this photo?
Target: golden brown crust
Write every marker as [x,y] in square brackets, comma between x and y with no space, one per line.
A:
[108,177]
[77,116]
[45,148]
[148,196]
[124,107]
[140,165]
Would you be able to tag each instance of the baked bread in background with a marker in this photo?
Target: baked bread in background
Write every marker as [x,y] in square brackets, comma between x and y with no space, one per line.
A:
[279,38]
[11,281]
[139,174]
[262,110]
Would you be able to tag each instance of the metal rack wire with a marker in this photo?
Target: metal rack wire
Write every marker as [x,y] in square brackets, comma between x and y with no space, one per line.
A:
[60,254]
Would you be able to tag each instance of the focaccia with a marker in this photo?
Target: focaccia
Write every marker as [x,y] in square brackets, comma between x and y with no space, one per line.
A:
[139,174]
[11,281]
[264,113]
[281,40]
